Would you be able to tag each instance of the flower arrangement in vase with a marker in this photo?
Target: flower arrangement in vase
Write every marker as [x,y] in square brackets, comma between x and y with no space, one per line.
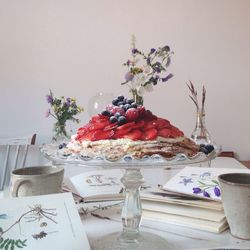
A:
[145,70]
[62,109]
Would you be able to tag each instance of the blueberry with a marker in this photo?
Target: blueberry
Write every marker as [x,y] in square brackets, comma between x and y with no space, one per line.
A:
[120,103]
[209,148]
[105,112]
[115,102]
[120,97]
[117,114]
[113,119]
[126,107]
[130,101]
[62,145]
[134,105]
[204,150]
[122,120]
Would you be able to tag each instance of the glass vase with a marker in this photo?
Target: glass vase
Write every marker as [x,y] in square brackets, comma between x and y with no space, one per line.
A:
[60,133]
[200,134]
[137,98]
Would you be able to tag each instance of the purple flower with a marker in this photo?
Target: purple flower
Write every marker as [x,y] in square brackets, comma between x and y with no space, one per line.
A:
[217,191]
[169,76]
[47,113]
[197,190]
[152,50]
[134,51]
[148,60]
[206,194]
[49,98]
[166,48]
[129,76]
[185,181]
[128,62]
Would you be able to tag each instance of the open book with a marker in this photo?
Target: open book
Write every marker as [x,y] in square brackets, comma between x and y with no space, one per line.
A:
[101,185]
[41,222]
[199,182]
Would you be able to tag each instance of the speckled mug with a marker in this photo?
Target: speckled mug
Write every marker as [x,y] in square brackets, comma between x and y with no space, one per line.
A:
[235,192]
[37,180]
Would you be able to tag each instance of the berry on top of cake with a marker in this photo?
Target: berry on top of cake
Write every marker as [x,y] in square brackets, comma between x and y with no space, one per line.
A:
[124,127]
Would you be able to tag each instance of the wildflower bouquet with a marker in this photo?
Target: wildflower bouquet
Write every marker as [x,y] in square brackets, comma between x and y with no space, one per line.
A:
[62,109]
[146,69]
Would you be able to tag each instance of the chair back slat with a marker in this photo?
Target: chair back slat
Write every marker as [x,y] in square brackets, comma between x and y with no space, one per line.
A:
[14,156]
[26,147]
[5,165]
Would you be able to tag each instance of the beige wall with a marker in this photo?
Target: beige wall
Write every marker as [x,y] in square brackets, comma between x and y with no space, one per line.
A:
[76,48]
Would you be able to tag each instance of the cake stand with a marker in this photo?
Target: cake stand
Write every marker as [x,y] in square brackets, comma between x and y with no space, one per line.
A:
[131,238]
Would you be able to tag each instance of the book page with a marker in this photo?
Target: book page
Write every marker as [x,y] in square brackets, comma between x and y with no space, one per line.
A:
[201,182]
[41,222]
[101,184]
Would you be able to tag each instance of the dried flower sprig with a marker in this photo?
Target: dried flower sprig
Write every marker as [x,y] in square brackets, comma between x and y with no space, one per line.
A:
[194,96]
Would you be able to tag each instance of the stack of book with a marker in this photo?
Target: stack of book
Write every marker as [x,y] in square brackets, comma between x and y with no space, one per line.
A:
[184,210]
[191,198]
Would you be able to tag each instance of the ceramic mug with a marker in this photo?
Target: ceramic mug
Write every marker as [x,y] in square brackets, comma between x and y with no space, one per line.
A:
[235,194]
[37,180]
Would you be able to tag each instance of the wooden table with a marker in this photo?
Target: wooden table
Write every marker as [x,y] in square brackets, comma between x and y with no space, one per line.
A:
[246,163]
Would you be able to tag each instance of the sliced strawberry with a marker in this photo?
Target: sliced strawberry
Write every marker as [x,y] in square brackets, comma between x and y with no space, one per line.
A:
[135,134]
[99,125]
[175,132]
[102,135]
[84,129]
[121,132]
[132,114]
[149,134]
[165,132]
[149,125]
[126,125]
[141,110]
[162,123]
[110,126]
[87,137]
[148,116]
[98,118]
[139,124]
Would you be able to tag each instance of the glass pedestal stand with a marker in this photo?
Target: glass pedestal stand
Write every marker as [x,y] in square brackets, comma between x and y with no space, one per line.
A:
[131,238]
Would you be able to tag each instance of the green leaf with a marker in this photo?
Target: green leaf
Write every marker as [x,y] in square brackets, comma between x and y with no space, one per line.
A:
[216,182]
[12,247]
[17,242]
[3,243]
[7,245]
[202,183]
[23,243]
[1,240]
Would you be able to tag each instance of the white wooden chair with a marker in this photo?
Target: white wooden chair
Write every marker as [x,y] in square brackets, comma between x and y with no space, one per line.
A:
[13,155]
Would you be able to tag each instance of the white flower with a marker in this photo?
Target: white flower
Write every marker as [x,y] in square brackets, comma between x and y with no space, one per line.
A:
[142,89]
[138,80]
